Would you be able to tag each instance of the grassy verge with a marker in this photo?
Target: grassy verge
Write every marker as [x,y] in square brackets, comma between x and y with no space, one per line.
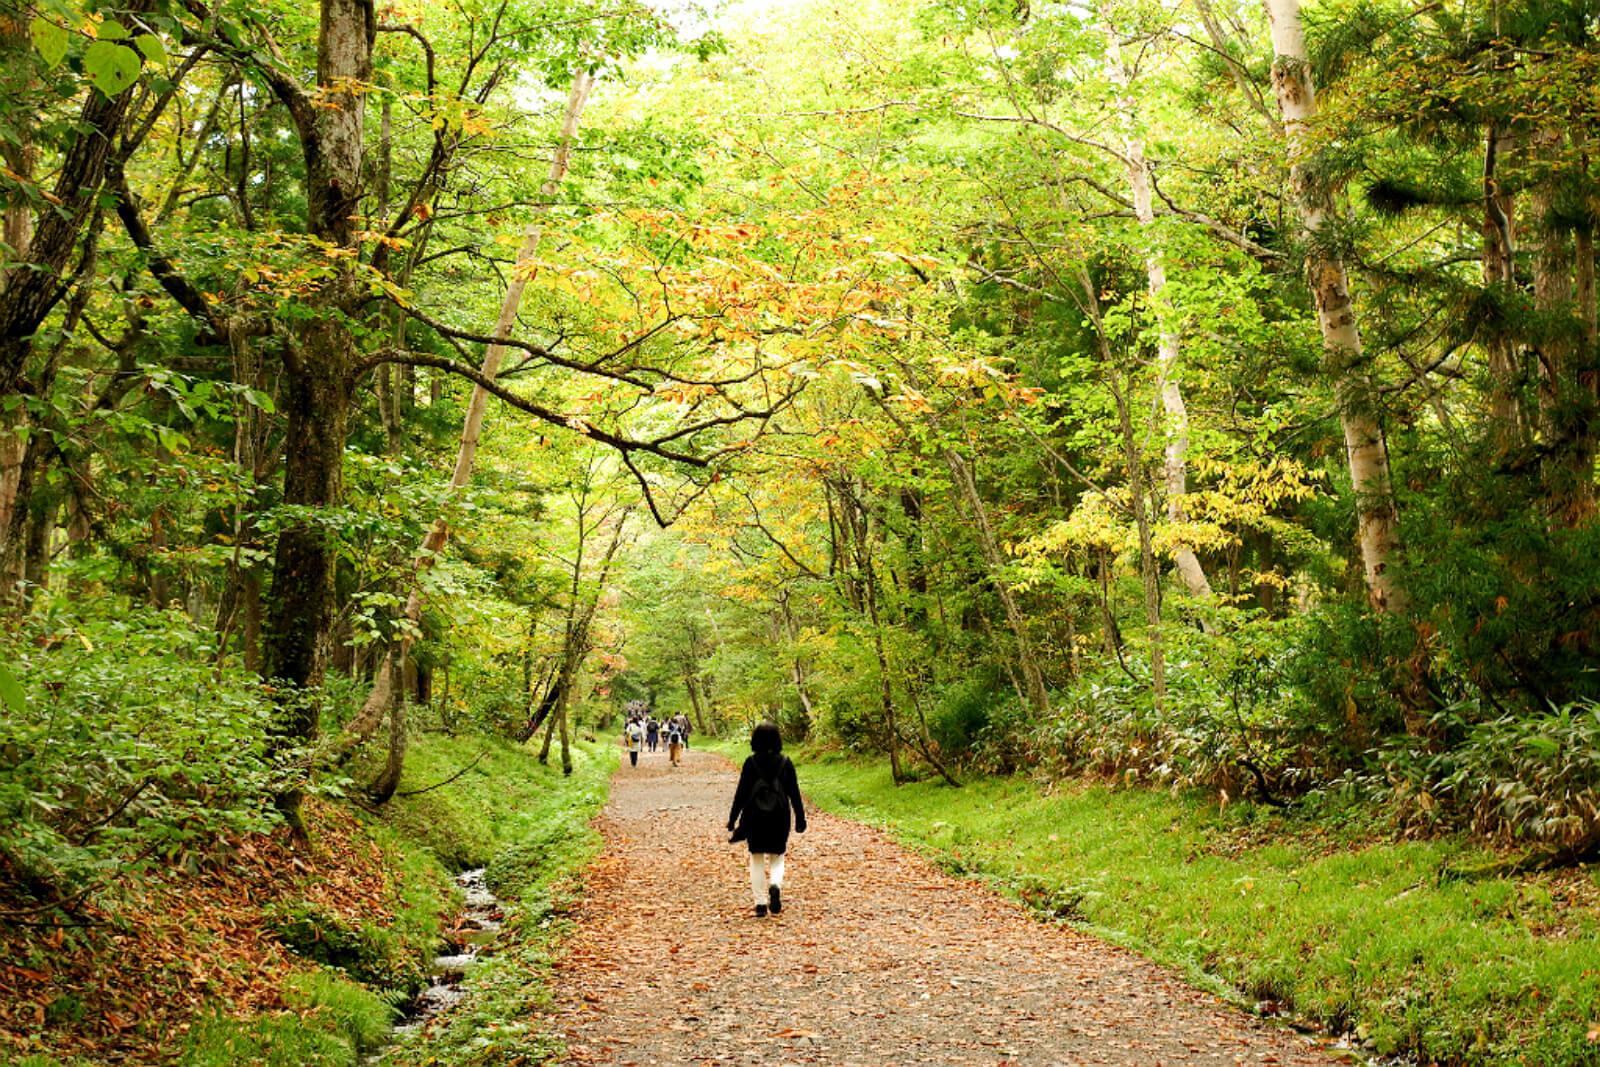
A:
[336,950]
[331,1020]
[533,830]
[1359,935]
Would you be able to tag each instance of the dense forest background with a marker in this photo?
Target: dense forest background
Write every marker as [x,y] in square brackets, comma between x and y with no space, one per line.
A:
[1193,394]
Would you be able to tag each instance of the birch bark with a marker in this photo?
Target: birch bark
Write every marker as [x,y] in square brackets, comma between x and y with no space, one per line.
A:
[1366,451]
[1175,466]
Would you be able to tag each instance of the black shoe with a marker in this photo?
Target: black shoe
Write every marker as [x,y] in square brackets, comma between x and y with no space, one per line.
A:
[761,911]
[775,904]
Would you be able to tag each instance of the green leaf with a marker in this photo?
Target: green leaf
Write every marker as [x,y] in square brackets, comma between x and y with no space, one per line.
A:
[111,68]
[51,39]
[171,440]
[111,31]
[1543,746]
[153,49]
[11,692]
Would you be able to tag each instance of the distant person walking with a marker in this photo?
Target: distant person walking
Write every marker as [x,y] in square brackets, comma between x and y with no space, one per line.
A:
[652,733]
[683,728]
[674,743]
[767,789]
[634,735]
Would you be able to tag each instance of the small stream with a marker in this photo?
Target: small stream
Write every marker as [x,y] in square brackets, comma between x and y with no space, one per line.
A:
[479,923]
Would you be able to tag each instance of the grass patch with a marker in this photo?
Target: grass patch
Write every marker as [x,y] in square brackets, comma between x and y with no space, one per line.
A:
[332,1021]
[467,821]
[1361,936]
[538,823]
[357,1014]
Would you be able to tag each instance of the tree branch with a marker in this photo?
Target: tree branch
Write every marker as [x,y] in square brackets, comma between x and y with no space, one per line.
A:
[624,445]
[177,286]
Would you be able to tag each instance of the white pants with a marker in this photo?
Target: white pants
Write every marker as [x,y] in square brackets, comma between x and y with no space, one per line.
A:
[761,863]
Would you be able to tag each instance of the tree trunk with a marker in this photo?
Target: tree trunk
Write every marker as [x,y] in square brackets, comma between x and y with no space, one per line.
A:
[1108,618]
[966,487]
[388,779]
[383,381]
[15,535]
[1149,572]
[317,401]
[885,687]
[855,519]
[13,450]
[301,602]
[32,285]
[251,591]
[1499,273]
[40,541]
[18,152]
[540,715]
[1563,289]
[566,743]
[1175,470]
[1365,448]
[157,589]
[694,700]
[558,698]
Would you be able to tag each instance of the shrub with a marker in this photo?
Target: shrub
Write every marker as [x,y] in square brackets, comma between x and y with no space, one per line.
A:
[124,746]
[1532,777]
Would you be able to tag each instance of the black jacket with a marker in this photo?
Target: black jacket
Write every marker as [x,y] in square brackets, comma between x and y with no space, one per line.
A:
[766,833]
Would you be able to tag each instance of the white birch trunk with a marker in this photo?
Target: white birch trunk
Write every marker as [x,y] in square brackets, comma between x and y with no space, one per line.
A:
[1175,468]
[1365,447]
[467,451]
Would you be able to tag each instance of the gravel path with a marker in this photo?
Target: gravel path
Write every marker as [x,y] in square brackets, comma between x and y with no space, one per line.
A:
[877,959]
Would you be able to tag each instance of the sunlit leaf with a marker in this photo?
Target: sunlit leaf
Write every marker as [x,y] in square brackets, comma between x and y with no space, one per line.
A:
[110,67]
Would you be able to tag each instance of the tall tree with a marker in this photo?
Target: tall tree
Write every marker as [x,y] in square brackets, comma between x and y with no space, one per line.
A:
[1366,450]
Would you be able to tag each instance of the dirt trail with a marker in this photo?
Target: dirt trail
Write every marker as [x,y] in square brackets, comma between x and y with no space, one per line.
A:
[878,957]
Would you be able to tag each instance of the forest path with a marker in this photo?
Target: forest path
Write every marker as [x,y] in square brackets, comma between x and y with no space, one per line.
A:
[878,957]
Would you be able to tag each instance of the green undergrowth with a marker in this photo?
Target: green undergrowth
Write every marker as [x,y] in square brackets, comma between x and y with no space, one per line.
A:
[334,1021]
[1359,935]
[492,792]
[541,841]
[527,822]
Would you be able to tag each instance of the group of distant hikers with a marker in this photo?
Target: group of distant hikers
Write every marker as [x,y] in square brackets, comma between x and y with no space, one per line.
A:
[643,730]
[767,791]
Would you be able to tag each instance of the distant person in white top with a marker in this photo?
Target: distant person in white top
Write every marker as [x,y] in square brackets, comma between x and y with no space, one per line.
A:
[634,735]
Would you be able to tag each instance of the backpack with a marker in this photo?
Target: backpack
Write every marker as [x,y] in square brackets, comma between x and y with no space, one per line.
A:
[767,800]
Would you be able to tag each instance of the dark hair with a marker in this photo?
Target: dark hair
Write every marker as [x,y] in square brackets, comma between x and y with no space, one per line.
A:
[765,738]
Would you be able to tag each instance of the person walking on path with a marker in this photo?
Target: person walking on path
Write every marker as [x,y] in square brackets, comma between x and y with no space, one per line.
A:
[635,737]
[674,743]
[652,733]
[767,789]
[683,728]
